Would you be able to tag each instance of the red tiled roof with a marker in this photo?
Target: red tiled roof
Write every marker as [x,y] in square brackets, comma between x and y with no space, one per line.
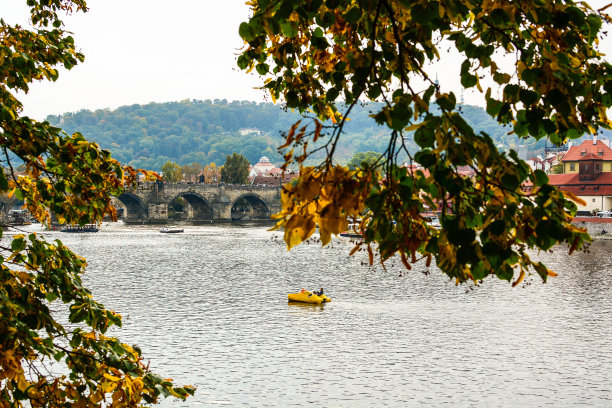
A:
[572,179]
[570,182]
[590,156]
[261,180]
[588,190]
[575,152]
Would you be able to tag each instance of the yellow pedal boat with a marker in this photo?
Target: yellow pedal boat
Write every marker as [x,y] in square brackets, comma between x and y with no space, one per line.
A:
[308,297]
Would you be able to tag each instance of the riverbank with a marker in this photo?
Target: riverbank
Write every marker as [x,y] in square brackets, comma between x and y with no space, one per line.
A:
[598,228]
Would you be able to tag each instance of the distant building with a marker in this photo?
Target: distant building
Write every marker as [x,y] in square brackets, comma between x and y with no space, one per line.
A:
[587,151]
[264,166]
[249,131]
[274,179]
[545,164]
[465,171]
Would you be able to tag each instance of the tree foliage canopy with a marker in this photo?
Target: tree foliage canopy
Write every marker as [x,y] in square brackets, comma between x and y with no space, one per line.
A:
[172,172]
[74,179]
[235,170]
[363,158]
[315,52]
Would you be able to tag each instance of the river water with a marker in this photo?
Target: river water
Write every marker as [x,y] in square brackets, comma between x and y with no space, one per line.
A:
[209,308]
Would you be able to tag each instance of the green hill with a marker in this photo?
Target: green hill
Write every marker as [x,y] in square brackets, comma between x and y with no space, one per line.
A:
[146,136]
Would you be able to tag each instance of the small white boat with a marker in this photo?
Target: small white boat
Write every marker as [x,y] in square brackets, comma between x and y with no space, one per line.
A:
[171,230]
[79,228]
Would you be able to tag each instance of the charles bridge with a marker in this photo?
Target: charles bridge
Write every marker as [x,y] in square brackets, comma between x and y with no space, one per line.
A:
[149,202]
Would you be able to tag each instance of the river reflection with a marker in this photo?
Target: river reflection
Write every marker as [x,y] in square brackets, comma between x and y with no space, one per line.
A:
[209,307]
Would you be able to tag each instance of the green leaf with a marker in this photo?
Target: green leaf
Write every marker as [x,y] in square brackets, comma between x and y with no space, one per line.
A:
[424,137]
[18,244]
[246,32]
[353,15]
[332,94]
[262,69]
[289,29]
[528,97]
[469,80]
[510,181]
[447,102]
[426,158]
[540,178]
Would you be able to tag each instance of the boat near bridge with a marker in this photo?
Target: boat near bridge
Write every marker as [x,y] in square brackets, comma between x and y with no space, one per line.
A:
[171,230]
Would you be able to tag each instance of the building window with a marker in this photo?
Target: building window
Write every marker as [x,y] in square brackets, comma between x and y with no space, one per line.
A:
[600,152]
[593,200]
[583,152]
[586,167]
[572,166]
[597,166]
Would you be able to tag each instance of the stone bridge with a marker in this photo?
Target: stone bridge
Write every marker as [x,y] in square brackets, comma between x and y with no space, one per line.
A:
[157,202]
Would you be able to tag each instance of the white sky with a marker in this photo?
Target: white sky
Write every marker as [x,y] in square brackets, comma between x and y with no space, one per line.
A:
[141,51]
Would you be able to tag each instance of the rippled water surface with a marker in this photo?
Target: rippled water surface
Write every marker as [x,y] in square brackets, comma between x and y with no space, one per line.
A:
[209,307]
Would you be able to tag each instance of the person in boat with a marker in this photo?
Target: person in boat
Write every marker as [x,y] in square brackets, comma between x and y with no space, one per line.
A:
[318,293]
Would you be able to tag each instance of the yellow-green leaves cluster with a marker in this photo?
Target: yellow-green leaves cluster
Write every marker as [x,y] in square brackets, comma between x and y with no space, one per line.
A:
[324,199]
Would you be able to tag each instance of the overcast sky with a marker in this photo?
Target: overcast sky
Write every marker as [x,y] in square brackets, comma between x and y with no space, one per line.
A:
[141,51]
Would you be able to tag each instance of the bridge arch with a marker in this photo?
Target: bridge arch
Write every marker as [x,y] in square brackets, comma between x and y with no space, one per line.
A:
[134,206]
[250,206]
[199,208]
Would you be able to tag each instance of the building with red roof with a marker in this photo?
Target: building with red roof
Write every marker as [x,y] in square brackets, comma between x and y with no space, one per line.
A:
[588,175]
[588,150]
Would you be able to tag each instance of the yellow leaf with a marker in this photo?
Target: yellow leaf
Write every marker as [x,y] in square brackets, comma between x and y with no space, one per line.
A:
[520,278]
[97,396]
[574,62]
[298,228]
[111,377]
[22,384]
[90,336]
[573,197]
[331,220]
[414,126]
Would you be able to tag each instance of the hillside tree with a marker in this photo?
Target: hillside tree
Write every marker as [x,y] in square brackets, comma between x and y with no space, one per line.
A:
[171,172]
[211,173]
[235,170]
[313,53]
[45,362]
[363,158]
[192,171]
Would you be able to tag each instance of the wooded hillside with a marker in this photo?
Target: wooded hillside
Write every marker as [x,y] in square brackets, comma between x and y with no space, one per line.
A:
[146,136]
